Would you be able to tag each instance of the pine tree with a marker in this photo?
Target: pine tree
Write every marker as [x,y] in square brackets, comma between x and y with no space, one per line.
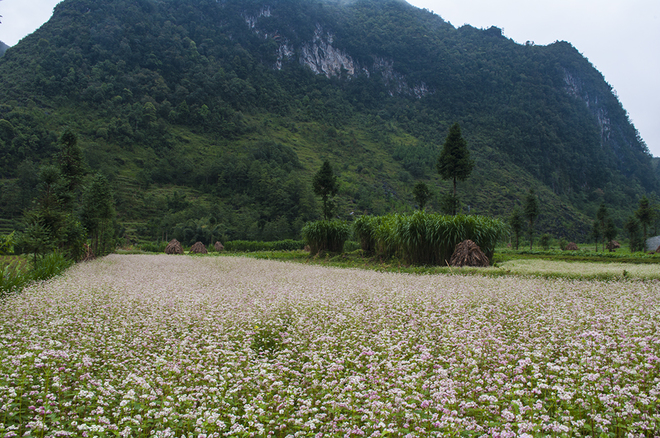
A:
[645,214]
[610,233]
[601,216]
[531,213]
[632,227]
[325,186]
[98,210]
[454,162]
[421,194]
[517,222]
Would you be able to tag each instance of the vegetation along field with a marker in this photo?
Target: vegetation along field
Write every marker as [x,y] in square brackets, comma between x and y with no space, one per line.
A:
[178,346]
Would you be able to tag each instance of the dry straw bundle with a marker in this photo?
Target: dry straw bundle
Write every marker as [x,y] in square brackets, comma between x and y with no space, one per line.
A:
[174,247]
[198,248]
[468,253]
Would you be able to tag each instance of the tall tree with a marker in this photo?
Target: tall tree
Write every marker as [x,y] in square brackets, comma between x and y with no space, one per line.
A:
[610,233]
[601,216]
[421,193]
[325,186]
[71,165]
[632,227]
[645,214]
[517,222]
[596,233]
[98,210]
[531,213]
[454,162]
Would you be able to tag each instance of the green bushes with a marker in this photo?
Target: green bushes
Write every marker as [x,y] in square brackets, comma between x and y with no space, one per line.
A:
[426,239]
[15,276]
[326,235]
[252,246]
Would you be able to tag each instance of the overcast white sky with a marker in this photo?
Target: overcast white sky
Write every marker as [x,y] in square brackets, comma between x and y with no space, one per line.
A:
[621,38]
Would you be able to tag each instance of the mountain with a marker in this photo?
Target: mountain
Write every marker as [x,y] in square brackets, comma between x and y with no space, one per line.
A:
[210,114]
[3,48]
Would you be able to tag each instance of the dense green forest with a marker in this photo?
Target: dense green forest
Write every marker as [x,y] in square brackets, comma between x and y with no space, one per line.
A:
[209,118]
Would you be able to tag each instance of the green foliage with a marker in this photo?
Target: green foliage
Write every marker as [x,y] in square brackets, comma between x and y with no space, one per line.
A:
[421,194]
[194,104]
[632,227]
[516,221]
[35,240]
[531,213]
[430,239]
[545,241]
[97,214]
[14,277]
[454,161]
[325,186]
[7,243]
[425,238]
[253,246]
[326,236]
[645,214]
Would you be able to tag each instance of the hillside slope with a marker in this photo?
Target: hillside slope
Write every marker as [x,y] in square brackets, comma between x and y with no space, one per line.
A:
[215,115]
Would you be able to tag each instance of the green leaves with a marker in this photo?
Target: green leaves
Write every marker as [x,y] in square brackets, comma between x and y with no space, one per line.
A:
[426,239]
[326,235]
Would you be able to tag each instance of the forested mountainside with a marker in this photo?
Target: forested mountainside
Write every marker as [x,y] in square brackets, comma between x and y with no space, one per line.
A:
[3,48]
[215,115]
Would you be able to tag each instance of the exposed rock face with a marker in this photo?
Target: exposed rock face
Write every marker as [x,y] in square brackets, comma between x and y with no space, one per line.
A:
[323,58]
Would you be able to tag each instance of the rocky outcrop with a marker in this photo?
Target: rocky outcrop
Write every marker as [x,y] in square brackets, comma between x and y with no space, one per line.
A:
[320,56]
[323,58]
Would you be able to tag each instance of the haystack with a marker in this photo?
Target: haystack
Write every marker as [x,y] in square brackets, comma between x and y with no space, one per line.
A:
[613,244]
[468,253]
[174,247]
[219,246]
[198,248]
[571,246]
[89,254]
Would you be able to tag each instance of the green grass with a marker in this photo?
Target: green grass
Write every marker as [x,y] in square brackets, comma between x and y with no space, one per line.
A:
[16,273]
[506,264]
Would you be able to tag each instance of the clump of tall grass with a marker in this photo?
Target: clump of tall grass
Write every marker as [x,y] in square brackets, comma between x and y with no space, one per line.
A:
[326,235]
[425,238]
[14,277]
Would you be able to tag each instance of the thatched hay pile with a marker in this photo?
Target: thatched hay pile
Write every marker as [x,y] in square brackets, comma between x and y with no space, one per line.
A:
[198,248]
[571,246]
[219,246]
[89,254]
[468,253]
[613,244]
[174,247]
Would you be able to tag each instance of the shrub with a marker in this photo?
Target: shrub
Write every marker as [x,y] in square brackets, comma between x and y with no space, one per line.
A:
[157,247]
[253,246]
[427,239]
[326,235]
[545,241]
[364,231]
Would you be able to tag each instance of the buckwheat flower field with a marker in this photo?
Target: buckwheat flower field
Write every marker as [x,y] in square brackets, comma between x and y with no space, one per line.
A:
[177,346]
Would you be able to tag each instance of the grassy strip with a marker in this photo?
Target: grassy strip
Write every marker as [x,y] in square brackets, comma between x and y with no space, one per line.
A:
[578,256]
[15,275]
[356,260]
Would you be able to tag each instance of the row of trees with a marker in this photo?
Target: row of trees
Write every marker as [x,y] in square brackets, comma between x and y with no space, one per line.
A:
[454,163]
[73,212]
